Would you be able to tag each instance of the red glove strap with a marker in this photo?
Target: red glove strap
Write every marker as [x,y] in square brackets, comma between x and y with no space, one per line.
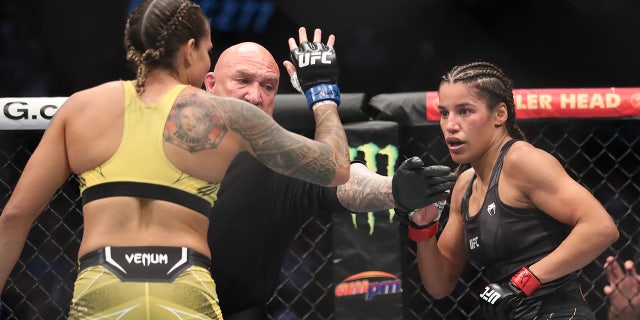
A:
[419,235]
[526,281]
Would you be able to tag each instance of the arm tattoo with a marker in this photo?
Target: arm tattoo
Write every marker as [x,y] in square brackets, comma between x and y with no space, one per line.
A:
[292,154]
[200,121]
[194,125]
[366,191]
[329,128]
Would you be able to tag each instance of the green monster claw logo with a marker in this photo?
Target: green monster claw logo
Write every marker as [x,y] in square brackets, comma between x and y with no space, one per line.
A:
[370,151]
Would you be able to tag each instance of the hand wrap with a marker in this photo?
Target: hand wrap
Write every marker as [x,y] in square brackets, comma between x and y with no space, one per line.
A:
[317,72]
[498,301]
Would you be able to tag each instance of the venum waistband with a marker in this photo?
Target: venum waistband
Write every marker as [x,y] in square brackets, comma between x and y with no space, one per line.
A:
[145,264]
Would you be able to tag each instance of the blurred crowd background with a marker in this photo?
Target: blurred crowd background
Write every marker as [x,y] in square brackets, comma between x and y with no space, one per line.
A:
[53,48]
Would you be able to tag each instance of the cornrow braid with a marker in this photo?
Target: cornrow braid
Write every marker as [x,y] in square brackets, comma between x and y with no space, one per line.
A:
[155,31]
[171,26]
[134,56]
[158,50]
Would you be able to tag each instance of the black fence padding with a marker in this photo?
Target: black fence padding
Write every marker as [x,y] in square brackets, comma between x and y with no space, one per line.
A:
[291,110]
[407,108]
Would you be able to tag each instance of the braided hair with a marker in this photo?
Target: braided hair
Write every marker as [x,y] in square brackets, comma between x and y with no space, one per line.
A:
[156,30]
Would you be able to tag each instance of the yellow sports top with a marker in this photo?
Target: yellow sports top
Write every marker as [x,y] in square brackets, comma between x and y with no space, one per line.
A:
[139,167]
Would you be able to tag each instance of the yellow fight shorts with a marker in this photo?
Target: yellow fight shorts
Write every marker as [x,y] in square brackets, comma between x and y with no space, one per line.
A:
[144,283]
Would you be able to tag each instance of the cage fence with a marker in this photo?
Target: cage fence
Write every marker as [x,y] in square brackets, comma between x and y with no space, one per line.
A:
[601,154]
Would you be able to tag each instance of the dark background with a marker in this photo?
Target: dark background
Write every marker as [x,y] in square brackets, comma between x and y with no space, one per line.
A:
[53,48]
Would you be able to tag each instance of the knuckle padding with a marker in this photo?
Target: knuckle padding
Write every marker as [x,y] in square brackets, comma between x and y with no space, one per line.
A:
[440,180]
[437,170]
[411,164]
[305,45]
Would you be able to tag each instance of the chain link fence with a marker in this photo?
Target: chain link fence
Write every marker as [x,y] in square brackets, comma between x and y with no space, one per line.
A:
[603,155]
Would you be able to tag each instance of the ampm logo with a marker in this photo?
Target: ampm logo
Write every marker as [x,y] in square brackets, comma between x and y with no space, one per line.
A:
[361,284]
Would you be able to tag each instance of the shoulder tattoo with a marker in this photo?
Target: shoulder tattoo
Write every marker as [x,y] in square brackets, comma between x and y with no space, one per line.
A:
[194,125]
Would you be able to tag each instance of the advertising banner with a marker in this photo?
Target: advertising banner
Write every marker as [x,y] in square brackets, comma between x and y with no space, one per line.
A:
[368,246]
[564,103]
[28,113]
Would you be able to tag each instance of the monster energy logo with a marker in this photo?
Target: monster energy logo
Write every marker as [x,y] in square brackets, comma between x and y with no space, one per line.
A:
[372,152]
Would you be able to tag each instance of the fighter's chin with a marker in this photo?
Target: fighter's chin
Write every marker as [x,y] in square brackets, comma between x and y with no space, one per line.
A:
[459,157]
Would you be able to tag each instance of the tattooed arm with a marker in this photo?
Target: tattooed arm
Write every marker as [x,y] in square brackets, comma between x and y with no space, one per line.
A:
[412,186]
[323,161]
[201,121]
[366,190]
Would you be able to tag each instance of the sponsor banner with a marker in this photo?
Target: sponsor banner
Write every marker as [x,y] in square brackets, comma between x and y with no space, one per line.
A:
[564,103]
[369,284]
[367,264]
[28,113]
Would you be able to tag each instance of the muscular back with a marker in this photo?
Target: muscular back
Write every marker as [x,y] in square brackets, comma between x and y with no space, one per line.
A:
[93,129]
[202,134]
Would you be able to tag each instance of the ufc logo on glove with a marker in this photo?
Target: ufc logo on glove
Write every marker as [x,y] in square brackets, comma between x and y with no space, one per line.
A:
[499,301]
[489,295]
[311,58]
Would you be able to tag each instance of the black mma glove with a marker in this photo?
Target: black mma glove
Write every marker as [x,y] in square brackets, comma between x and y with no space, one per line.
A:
[498,301]
[415,186]
[316,73]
